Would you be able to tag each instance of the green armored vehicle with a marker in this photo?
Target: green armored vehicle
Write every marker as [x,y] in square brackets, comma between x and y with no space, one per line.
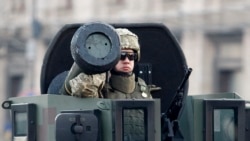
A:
[171,115]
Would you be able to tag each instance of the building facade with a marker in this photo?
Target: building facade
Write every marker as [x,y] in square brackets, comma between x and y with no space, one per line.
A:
[214,36]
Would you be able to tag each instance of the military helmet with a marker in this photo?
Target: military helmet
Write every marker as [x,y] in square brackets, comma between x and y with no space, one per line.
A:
[129,40]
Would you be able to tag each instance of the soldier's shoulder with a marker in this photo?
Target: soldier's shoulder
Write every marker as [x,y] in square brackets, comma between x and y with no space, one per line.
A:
[141,82]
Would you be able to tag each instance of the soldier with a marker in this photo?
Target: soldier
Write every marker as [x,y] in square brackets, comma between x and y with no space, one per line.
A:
[122,83]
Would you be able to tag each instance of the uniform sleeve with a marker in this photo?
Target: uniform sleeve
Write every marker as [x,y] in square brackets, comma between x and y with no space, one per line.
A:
[87,86]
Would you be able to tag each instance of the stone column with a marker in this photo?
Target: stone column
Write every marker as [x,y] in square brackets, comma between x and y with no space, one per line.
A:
[41,49]
[193,48]
[246,64]
[3,82]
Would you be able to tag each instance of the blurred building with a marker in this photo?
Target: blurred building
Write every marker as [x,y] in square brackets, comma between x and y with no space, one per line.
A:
[214,35]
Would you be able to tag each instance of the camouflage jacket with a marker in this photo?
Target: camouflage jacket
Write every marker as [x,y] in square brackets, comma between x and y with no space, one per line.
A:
[123,87]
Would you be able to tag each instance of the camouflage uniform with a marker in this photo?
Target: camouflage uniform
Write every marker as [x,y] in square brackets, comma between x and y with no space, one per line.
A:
[87,86]
[125,86]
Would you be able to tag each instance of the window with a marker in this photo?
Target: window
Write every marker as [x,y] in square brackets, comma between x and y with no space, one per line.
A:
[224,125]
[15,85]
[65,5]
[225,80]
[18,6]
[224,120]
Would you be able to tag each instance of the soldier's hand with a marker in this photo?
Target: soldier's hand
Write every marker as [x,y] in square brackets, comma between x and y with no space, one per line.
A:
[87,86]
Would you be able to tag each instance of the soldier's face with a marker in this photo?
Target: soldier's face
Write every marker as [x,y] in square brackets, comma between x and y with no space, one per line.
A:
[126,62]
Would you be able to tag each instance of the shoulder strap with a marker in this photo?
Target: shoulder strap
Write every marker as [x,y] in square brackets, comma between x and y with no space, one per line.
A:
[142,84]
